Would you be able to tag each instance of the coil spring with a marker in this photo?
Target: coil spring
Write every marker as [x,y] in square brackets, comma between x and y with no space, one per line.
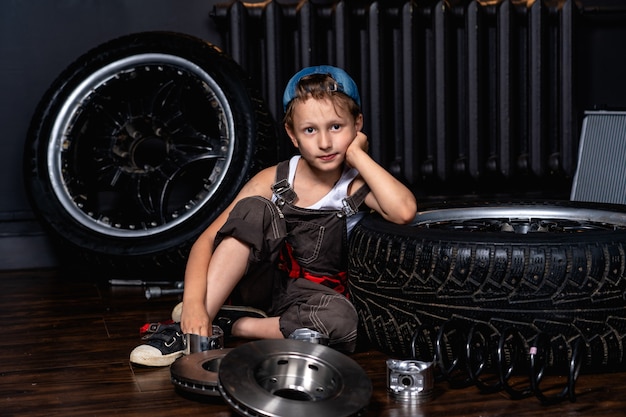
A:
[462,352]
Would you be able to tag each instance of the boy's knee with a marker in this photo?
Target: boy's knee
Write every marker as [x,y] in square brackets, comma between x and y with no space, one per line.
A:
[342,327]
[253,207]
[255,221]
[333,315]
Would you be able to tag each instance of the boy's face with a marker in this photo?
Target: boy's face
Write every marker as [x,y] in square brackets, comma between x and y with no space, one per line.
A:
[323,132]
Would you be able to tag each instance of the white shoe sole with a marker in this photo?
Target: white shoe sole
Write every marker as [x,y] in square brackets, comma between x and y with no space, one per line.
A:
[147,355]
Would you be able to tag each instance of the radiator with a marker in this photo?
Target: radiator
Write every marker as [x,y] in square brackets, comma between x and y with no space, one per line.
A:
[458,96]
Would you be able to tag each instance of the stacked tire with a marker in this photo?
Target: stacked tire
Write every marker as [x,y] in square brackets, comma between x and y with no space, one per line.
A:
[552,268]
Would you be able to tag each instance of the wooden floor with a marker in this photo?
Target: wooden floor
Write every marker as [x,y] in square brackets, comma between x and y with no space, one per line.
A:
[65,353]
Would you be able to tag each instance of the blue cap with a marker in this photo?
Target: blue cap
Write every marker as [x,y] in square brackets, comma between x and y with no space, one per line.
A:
[345,84]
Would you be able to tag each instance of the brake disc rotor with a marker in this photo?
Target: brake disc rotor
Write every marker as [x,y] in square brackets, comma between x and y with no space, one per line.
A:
[197,373]
[291,378]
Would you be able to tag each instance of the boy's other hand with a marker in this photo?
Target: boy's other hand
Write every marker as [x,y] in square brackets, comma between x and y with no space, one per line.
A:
[195,320]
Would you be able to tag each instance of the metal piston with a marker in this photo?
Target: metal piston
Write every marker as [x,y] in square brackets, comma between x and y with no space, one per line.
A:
[311,336]
[410,381]
[195,343]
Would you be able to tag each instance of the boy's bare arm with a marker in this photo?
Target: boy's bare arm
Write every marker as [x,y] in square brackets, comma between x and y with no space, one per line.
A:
[388,196]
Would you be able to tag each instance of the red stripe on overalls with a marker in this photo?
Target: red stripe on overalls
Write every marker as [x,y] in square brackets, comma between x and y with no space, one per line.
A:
[289,264]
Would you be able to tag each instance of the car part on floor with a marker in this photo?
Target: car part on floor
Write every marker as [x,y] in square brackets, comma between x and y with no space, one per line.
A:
[291,378]
[195,343]
[155,292]
[311,336]
[557,268]
[138,146]
[152,289]
[468,354]
[197,373]
[140,283]
[410,381]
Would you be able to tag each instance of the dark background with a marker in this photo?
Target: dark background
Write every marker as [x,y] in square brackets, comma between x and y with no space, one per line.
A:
[39,38]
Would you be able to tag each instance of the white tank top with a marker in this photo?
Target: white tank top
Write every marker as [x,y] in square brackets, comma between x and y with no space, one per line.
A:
[334,199]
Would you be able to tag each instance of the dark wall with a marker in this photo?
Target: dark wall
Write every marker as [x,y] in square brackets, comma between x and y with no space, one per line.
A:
[602,57]
[579,47]
[38,39]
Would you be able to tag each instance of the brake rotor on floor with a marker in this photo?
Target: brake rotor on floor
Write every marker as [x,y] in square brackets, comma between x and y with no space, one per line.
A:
[292,378]
[197,373]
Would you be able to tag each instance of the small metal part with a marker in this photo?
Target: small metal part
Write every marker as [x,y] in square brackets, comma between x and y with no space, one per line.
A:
[311,336]
[195,343]
[140,283]
[410,381]
[154,292]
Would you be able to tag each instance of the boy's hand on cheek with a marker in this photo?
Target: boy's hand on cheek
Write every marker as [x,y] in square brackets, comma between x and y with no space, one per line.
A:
[359,144]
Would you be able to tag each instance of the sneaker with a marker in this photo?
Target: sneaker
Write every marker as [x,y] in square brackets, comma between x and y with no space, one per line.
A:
[160,348]
[229,314]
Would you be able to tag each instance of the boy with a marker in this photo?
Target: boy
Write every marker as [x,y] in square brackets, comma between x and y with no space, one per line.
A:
[281,245]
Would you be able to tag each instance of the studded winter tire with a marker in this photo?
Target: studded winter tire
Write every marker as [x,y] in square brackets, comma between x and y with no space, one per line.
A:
[551,268]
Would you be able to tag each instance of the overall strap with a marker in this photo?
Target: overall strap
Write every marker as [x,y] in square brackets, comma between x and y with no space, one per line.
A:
[281,188]
[285,193]
[352,203]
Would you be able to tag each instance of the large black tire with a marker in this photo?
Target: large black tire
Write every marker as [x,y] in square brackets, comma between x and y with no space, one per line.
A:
[553,268]
[140,144]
